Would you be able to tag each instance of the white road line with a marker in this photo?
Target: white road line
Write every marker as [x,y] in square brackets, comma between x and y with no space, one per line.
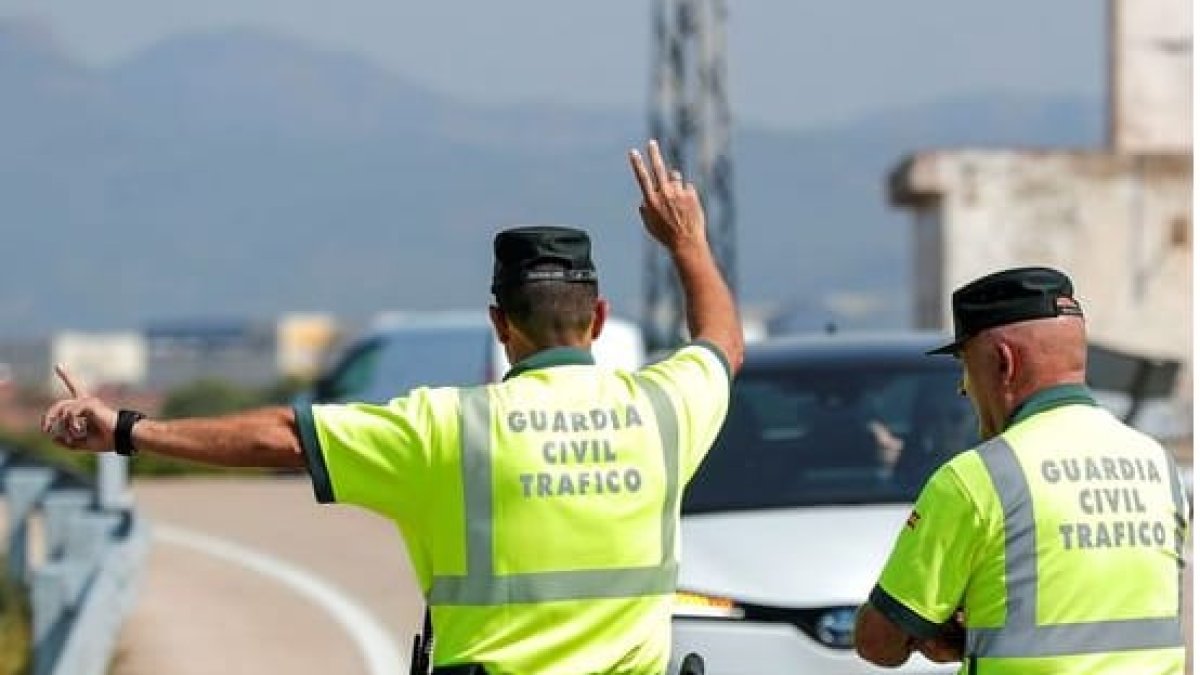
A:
[376,645]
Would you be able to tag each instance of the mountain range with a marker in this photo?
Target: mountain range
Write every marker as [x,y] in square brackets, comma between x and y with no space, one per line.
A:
[240,174]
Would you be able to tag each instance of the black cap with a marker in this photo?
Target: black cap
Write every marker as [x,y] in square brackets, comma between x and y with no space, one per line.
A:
[520,249]
[1010,296]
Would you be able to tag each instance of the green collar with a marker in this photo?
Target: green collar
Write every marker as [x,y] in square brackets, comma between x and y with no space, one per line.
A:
[1052,397]
[548,358]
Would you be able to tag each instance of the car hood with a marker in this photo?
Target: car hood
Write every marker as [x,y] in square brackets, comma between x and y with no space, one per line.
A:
[803,557]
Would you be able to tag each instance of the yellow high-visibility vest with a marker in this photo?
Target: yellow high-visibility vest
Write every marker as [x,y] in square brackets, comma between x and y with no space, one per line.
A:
[541,514]
[1062,539]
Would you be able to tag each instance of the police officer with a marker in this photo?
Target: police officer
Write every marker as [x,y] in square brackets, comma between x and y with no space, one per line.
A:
[541,513]
[1055,546]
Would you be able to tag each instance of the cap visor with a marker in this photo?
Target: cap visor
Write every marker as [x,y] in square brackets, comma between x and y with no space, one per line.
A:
[950,349]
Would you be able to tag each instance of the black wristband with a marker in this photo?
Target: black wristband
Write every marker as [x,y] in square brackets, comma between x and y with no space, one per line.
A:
[123,432]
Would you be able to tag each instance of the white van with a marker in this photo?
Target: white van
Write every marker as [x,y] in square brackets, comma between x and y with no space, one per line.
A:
[404,350]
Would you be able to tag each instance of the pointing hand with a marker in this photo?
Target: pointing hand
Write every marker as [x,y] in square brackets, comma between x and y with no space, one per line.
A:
[80,422]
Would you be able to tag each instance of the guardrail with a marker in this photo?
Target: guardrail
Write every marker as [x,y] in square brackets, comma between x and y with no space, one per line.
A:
[78,547]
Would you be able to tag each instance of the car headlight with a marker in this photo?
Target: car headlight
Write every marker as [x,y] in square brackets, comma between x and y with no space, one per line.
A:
[835,627]
[699,605]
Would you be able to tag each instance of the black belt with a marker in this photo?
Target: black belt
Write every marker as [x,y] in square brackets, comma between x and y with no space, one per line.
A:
[692,665]
[460,669]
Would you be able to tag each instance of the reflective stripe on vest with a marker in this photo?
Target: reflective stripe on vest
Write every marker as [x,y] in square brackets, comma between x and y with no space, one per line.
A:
[1181,520]
[1021,636]
[482,586]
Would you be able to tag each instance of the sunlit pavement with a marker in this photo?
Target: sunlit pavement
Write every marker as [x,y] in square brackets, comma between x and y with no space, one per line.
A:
[198,614]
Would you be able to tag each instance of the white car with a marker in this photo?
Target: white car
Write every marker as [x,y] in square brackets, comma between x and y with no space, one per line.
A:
[794,511]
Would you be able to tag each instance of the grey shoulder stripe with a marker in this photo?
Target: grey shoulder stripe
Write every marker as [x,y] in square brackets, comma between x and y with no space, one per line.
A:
[668,432]
[1020,529]
[475,439]
[1182,512]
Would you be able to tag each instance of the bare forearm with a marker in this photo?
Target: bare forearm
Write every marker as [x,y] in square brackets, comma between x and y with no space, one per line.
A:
[880,641]
[890,656]
[266,437]
[711,312]
[673,215]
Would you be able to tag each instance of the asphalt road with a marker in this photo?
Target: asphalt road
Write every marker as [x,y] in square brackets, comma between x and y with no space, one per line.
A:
[252,576]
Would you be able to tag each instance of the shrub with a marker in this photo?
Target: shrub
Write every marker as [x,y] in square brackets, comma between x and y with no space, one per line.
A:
[15,629]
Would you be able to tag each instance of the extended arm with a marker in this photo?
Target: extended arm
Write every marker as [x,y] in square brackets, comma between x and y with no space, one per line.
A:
[673,215]
[266,437]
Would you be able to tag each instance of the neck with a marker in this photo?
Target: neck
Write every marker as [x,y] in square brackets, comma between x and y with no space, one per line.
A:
[1024,392]
[519,352]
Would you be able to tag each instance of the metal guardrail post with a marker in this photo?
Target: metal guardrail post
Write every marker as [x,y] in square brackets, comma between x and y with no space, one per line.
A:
[48,597]
[89,534]
[98,617]
[56,590]
[112,482]
[95,549]
[60,508]
[24,487]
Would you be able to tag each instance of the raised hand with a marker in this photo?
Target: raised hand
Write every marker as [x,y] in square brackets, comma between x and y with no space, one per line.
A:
[671,208]
[80,422]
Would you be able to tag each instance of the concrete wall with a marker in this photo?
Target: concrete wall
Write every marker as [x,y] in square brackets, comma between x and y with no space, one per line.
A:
[1150,75]
[1119,225]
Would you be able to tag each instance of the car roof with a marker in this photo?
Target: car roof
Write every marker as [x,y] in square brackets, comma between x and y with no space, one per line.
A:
[825,348]
[391,323]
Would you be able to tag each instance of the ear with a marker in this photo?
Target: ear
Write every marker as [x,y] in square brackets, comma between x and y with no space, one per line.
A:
[500,324]
[1006,363]
[599,316]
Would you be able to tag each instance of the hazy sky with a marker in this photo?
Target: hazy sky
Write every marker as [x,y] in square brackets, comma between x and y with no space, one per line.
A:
[792,63]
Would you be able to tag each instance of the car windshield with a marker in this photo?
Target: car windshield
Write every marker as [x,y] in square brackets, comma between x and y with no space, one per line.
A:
[352,374]
[382,368]
[432,357]
[847,433]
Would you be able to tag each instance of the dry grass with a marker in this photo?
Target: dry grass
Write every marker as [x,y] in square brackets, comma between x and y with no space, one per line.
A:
[15,638]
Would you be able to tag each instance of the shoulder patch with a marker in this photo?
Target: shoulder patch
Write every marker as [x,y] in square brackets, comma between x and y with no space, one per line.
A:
[913,519]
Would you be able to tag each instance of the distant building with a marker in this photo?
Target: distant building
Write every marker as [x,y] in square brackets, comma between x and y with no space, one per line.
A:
[28,362]
[303,342]
[168,354]
[100,358]
[1117,219]
[241,352]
